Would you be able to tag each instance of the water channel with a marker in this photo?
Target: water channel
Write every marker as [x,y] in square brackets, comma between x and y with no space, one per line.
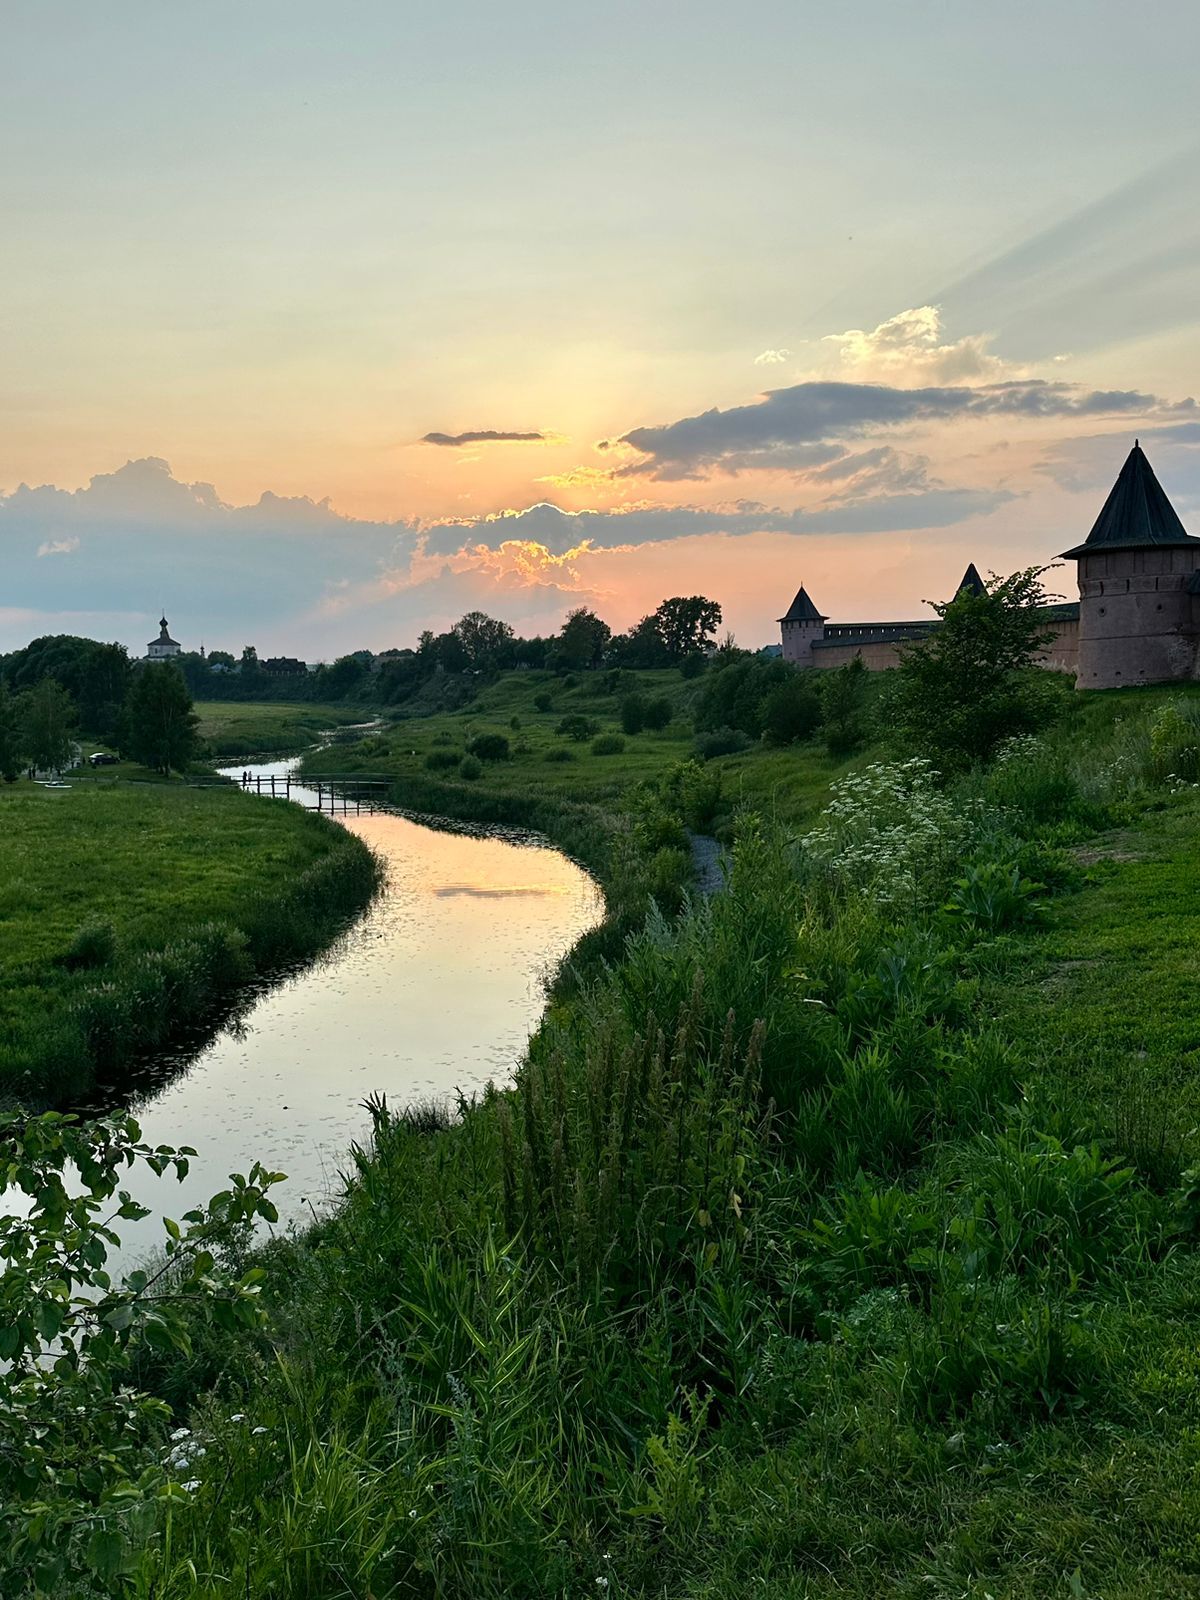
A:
[435,989]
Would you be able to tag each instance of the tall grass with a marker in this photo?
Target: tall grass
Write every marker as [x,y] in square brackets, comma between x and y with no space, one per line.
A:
[777,1271]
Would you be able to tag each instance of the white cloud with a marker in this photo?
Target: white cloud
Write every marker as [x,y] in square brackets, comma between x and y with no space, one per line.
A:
[772,358]
[57,547]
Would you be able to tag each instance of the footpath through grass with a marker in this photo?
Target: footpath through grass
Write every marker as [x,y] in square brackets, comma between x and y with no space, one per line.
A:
[130,912]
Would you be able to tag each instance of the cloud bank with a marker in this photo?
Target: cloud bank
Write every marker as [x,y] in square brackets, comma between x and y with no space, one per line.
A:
[797,428]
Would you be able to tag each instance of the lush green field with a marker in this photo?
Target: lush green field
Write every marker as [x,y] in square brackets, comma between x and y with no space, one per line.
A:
[173,889]
[838,1239]
[546,768]
[237,731]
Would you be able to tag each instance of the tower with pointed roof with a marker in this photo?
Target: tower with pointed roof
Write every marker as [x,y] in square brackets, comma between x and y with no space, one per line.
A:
[801,626]
[1139,587]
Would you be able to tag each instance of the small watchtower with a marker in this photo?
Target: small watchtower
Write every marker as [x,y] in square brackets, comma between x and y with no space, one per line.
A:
[802,626]
[1139,587]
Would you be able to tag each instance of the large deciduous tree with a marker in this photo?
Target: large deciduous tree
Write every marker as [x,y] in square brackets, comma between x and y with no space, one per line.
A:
[958,695]
[10,736]
[160,724]
[686,624]
[582,640]
[47,726]
[486,642]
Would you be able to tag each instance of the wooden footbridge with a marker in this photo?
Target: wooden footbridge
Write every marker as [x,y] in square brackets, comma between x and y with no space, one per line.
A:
[340,792]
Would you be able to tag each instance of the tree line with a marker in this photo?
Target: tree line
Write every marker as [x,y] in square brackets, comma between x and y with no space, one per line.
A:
[60,688]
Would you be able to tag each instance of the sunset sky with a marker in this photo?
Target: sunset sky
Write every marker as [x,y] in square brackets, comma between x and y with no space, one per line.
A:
[324,324]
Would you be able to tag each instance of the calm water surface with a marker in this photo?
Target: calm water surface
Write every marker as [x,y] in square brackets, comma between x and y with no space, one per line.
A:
[437,988]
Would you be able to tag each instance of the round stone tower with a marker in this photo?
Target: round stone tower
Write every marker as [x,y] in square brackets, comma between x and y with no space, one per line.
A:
[801,627]
[1139,587]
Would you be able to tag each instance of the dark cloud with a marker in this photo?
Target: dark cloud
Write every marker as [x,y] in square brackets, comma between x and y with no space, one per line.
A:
[293,574]
[482,436]
[788,429]
[561,531]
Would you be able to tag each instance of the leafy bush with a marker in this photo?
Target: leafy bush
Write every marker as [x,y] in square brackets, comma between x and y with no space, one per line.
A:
[93,946]
[720,742]
[442,760]
[657,713]
[470,768]
[694,793]
[1175,742]
[633,713]
[608,744]
[791,710]
[693,665]
[543,700]
[560,753]
[85,1479]
[958,695]
[577,727]
[489,747]
[844,698]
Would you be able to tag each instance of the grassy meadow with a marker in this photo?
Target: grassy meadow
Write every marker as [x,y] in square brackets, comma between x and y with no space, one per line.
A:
[129,911]
[839,1237]
[238,731]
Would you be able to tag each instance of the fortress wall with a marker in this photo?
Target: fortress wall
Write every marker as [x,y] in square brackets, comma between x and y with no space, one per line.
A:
[877,656]
[1062,653]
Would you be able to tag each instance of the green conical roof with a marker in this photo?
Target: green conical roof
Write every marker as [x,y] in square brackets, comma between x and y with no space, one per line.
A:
[1136,513]
[802,609]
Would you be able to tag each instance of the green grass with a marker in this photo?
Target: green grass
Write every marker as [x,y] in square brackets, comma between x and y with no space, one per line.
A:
[788,783]
[237,731]
[156,864]
[833,1243]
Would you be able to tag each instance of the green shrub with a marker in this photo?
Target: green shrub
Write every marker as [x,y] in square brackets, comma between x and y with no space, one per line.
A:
[720,742]
[693,664]
[489,747]
[577,727]
[1175,742]
[791,710]
[543,700]
[657,713]
[93,946]
[560,753]
[470,768]
[442,760]
[608,744]
[633,713]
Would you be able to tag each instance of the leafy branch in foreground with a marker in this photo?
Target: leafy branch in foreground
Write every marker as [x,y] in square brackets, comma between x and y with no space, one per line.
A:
[82,1484]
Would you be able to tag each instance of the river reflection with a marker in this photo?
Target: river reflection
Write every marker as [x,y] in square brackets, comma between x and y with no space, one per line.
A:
[437,988]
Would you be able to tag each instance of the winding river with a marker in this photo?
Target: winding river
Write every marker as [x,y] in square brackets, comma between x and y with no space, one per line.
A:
[435,989]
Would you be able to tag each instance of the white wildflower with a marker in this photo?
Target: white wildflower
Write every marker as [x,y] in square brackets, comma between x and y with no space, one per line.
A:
[191,1485]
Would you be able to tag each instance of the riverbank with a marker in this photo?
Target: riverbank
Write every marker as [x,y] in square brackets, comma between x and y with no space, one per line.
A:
[811,1248]
[132,915]
[234,730]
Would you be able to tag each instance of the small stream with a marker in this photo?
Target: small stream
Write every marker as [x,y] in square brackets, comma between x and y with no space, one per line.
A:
[435,989]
